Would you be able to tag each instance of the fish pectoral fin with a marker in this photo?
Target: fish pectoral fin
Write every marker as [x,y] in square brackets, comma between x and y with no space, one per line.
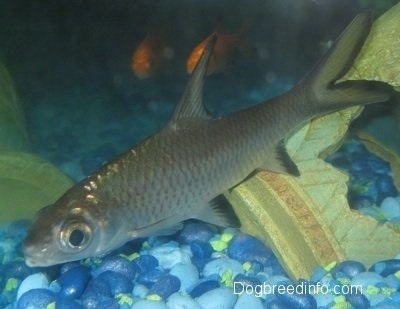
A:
[191,104]
[279,161]
[218,212]
[168,226]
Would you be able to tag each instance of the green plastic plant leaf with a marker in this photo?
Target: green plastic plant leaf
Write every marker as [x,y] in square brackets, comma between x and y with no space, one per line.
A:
[12,123]
[28,183]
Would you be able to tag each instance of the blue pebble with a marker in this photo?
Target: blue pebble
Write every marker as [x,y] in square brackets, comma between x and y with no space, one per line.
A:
[391,207]
[204,287]
[246,280]
[170,254]
[17,229]
[297,301]
[275,303]
[150,277]
[367,278]
[248,301]
[347,269]
[74,281]
[182,301]
[36,298]
[34,281]
[149,304]
[218,298]
[386,267]
[165,286]
[360,202]
[17,270]
[117,283]
[378,165]
[385,187]
[117,264]
[98,286]
[67,266]
[358,300]
[187,274]
[194,231]
[67,303]
[246,248]
[145,263]
[275,266]
[139,290]
[201,250]
[393,282]
[92,300]
[325,300]
[110,303]
[221,265]
[359,165]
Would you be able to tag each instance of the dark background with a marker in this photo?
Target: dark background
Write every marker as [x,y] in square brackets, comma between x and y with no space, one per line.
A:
[70,61]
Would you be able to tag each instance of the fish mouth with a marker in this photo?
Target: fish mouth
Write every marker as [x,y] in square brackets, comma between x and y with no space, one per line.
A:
[34,257]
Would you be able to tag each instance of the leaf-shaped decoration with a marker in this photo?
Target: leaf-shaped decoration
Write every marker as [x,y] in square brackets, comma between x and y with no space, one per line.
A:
[307,220]
[379,58]
[12,123]
[28,183]
[383,151]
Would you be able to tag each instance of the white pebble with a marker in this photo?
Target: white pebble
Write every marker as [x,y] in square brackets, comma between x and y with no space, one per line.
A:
[169,254]
[248,301]
[220,298]
[149,304]
[34,281]
[365,279]
[220,266]
[179,301]
[140,291]
[391,207]
[187,274]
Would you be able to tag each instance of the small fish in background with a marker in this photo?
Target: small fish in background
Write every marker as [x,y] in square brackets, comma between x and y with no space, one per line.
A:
[225,45]
[151,55]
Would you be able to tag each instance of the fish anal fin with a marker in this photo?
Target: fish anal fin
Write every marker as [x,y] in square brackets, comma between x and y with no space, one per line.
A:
[218,212]
[279,161]
[191,104]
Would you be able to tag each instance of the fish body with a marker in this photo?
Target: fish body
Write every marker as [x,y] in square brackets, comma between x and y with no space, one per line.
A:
[176,174]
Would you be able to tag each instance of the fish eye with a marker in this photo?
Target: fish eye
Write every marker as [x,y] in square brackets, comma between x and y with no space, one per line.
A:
[75,235]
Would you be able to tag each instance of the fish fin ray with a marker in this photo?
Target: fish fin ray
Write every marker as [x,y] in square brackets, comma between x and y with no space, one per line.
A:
[218,212]
[280,161]
[191,104]
[331,94]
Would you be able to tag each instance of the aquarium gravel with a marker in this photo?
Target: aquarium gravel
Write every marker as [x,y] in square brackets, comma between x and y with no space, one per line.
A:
[199,267]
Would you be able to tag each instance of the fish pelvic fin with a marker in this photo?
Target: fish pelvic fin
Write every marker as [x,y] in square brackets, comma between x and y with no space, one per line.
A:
[218,212]
[191,103]
[329,94]
[280,161]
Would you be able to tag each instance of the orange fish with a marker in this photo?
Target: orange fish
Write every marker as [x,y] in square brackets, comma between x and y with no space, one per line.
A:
[223,48]
[149,56]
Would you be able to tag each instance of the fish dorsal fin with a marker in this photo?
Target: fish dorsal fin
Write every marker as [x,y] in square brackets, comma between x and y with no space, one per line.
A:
[191,104]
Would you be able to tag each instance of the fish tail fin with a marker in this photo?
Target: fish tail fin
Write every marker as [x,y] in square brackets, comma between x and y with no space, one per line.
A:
[330,94]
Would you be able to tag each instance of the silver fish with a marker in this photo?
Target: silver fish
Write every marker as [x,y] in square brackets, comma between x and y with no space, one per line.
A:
[176,174]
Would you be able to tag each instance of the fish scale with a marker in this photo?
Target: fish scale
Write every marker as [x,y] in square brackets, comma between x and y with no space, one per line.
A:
[176,174]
